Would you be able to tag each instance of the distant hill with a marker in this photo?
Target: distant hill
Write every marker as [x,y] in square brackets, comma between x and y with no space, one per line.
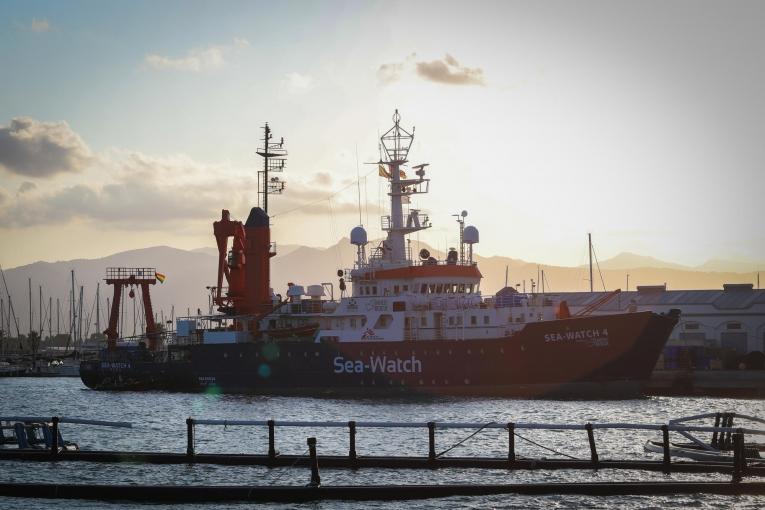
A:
[626,260]
[190,271]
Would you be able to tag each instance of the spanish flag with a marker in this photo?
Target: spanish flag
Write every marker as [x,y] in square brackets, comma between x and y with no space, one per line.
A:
[382,171]
[160,277]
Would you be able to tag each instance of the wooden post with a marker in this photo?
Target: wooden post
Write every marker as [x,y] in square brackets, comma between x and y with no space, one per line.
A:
[315,478]
[591,439]
[431,441]
[738,454]
[190,436]
[665,446]
[352,439]
[511,442]
[54,438]
[714,434]
[271,442]
[728,422]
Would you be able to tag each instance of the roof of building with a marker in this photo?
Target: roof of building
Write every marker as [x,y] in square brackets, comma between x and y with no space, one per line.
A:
[730,299]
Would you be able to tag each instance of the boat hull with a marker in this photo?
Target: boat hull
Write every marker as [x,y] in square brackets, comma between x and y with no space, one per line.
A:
[588,357]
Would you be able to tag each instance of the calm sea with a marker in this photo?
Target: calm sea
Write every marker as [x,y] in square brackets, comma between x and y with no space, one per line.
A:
[159,425]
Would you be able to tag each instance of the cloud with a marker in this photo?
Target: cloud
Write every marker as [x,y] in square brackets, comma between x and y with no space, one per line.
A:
[297,83]
[389,73]
[450,71]
[34,148]
[446,70]
[26,186]
[142,194]
[197,60]
[39,25]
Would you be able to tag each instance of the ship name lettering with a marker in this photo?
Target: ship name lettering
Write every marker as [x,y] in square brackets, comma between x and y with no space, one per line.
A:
[378,364]
[576,335]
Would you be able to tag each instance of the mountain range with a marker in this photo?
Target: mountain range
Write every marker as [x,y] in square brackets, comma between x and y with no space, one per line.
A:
[189,272]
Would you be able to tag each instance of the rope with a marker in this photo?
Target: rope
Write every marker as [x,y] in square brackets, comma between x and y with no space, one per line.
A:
[302,456]
[545,448]
[455,445]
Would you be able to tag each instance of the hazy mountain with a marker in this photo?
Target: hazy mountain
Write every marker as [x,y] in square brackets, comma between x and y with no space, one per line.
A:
[737,266]
[190,271]
[626,260]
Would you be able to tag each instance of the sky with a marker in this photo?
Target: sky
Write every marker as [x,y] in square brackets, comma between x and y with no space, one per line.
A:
[132,124]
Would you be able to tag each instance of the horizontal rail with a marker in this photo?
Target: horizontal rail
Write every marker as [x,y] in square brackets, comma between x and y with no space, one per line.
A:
[475,425]
[79,421]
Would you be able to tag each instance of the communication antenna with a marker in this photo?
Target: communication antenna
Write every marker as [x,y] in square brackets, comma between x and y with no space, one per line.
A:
[274,160]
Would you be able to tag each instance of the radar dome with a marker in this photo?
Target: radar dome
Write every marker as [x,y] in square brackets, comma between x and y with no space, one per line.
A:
[358,236]
[470,235]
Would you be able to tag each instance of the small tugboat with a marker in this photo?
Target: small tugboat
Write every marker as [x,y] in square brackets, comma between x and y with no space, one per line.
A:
[406,325]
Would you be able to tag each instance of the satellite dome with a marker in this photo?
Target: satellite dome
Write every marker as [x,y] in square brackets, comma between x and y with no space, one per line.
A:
[359,236]
[470,234]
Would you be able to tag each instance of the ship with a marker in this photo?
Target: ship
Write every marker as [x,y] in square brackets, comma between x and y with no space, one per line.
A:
[403,323]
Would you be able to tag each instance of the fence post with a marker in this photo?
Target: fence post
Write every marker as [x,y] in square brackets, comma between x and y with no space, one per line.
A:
[714,434]
[665,446]
[431,440]
[271,445]
[352,439]
[738,453]
[315,478]
[591,439]
[190,436]
[511,442]
[54,439]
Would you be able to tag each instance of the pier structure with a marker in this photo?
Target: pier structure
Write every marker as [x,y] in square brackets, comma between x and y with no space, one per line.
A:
[739,466]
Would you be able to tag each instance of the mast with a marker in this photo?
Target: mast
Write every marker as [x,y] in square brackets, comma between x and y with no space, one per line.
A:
[98,308]
[30,308]
[79,317]
[50,318]
[274,158]
[396,143]
[589,245]
[58,317]
[41,313]
[72,310]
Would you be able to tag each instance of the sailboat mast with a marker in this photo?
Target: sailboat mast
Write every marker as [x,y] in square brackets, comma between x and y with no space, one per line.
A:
[98,308]
[72,309]
[30,308]
[41,313]
[589,246]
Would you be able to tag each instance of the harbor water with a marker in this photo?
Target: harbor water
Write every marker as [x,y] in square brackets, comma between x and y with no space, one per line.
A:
[158,420]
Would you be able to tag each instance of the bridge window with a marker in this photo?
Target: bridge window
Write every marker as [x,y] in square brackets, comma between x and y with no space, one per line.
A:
[424,288]
[470,288]
[734,325]
[451,320]
[374,290]
[423,321]
[406,288]
[432,288]
[486,319]
[461,288]
[353,323]
[439,288]
[691,325]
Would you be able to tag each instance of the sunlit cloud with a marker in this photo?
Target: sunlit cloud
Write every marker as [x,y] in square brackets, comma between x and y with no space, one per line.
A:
[198,59]
[450,72]
[34,148]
